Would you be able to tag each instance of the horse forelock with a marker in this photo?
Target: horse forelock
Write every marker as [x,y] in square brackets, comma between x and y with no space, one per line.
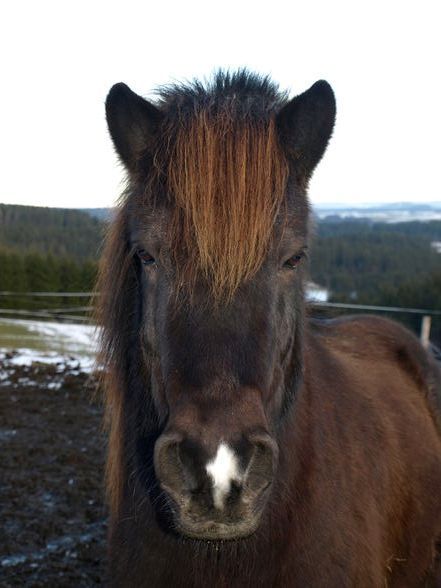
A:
[226,176]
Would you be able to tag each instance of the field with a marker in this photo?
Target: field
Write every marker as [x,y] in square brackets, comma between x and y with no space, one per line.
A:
[48,341]
[51,499]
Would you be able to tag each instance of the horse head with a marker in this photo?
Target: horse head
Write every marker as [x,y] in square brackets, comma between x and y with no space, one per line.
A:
[202,292]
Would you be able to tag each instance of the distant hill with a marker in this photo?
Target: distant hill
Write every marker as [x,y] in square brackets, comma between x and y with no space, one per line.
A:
[103,214]
[395,212]
[56,231]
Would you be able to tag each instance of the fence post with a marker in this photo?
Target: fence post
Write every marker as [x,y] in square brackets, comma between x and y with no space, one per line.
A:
[426,322]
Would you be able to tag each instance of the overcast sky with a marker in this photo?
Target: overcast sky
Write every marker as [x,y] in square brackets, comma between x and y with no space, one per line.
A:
[59,59]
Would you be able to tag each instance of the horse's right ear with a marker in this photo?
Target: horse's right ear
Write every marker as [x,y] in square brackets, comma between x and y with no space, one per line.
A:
[133,123]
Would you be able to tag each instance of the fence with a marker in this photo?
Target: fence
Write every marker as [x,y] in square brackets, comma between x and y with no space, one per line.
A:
[60,306]
[69,306]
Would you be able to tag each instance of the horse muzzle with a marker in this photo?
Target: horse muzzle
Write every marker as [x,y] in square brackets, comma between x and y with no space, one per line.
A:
[216,493]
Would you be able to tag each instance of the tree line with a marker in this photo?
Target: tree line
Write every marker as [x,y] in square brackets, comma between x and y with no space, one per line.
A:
[57,231]
[362,262]
[47,250]
[378,263]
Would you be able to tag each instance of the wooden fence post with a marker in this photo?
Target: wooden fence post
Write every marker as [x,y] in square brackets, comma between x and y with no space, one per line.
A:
[425,330]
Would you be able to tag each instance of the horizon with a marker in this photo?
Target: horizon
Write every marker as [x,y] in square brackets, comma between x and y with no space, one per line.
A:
[323,205]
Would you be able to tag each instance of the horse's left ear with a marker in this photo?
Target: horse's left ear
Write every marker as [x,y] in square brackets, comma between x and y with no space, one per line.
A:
[305,125]
[133,123]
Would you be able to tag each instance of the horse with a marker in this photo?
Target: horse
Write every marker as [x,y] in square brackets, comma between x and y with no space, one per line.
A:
[249,443]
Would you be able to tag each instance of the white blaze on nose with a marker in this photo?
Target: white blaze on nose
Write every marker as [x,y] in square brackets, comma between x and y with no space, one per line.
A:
[223,470]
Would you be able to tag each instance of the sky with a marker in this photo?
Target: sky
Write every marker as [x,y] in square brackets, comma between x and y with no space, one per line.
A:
[59,59]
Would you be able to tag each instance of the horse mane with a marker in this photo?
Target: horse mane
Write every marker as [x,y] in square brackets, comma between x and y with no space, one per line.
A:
[114,313]
[225,173]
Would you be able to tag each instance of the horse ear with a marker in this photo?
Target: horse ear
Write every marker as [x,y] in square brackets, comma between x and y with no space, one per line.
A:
[305,125]
[132,122]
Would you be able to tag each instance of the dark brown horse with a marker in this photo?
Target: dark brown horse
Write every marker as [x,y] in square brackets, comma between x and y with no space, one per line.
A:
[249,445]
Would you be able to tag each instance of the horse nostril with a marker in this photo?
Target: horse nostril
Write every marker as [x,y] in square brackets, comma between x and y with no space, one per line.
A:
[263,462]
[179,466]
[167,463]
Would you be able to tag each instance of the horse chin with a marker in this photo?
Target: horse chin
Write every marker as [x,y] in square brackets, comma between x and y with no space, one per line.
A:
[215,531]
[228,524]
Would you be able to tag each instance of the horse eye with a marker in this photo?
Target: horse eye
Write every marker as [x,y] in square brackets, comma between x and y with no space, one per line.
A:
[145,257]
[294,261]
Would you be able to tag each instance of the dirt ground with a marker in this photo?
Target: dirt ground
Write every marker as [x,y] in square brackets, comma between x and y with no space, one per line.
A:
[53,521]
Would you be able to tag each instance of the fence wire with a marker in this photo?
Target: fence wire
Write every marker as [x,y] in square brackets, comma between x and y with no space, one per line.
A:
[60,306]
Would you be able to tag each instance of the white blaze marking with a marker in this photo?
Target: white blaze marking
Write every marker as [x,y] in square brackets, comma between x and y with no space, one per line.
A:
[223,470]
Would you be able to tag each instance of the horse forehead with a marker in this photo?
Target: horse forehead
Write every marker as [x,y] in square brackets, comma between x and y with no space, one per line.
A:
[149,222]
